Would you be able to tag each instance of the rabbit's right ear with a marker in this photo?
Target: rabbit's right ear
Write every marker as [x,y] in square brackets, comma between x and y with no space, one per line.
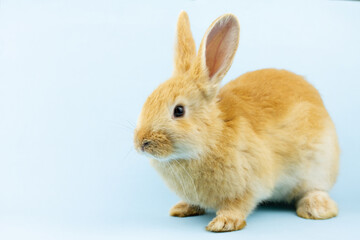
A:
[217,50]
[185,50]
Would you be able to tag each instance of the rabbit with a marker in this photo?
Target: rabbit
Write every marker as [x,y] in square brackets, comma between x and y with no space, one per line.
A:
[265,136]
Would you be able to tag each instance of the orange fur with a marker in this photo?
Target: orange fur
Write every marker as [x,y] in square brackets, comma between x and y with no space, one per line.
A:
[264,136]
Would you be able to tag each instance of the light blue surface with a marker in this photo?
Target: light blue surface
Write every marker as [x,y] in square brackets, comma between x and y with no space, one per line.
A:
[74,76]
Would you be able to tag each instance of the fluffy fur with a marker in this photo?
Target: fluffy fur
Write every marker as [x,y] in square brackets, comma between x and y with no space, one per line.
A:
[264,136]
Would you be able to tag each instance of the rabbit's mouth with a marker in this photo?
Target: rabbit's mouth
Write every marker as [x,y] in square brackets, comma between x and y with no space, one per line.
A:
[177,152]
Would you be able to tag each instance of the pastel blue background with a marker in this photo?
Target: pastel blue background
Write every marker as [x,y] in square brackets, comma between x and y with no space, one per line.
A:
[74,76]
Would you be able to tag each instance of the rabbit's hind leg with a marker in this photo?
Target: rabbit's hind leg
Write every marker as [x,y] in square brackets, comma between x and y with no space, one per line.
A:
[316,205]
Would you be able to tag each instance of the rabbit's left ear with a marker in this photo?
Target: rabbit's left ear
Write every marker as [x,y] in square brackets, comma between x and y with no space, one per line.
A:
[185,50]
[217,50]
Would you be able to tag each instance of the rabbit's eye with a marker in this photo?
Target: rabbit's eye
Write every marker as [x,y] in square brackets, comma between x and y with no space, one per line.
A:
[179,111]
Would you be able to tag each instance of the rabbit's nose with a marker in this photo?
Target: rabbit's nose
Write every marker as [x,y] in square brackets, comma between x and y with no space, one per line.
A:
[144,144]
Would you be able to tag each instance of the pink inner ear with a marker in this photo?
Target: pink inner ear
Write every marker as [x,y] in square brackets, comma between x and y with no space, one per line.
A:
[219,45]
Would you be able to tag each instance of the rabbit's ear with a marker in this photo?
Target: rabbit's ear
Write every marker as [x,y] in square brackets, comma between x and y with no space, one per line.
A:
[217,49]
[185,50]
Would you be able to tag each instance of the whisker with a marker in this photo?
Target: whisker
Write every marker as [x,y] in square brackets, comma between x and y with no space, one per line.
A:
[125,125]
[121,125]
[131,124]
[124,129]
[127,154]
[178,178]
[192,179]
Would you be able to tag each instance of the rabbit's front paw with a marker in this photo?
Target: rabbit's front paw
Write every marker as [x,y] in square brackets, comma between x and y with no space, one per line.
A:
[223,223]
[183,209]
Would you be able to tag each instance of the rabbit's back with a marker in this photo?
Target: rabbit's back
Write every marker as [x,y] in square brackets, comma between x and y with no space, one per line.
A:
[268,96]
